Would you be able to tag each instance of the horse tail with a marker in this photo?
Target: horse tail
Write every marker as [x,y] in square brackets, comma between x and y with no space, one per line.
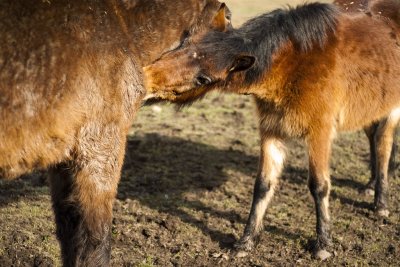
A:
[386,8]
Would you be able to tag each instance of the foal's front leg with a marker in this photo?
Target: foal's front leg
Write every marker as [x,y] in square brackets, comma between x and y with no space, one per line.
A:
[319,184]
[83,193]
[270,168]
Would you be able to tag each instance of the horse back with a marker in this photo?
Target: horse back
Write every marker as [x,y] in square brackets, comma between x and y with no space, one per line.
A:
[63,64]
[368,67]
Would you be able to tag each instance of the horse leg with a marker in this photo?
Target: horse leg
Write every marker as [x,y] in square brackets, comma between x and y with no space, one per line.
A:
[67,213]
[370,131]
[392,161]
[270,168]
[384,143]
[319,185]
[83,193]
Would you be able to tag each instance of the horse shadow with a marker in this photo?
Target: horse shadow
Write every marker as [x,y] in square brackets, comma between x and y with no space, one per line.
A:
[32,186]
[158,168]
[159,172]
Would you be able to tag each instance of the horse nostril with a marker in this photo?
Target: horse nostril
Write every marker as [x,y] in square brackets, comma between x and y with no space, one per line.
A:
[203,80]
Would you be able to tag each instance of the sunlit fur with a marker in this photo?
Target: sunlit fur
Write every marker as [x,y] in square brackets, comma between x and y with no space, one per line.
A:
[70,86]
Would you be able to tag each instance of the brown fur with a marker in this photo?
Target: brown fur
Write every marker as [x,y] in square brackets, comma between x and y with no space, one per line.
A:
[386,10]
[349,84]
[352,5]
[70,86]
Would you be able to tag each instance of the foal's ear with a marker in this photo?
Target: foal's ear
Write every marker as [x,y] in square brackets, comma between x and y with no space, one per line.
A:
[221,20]
[242,62]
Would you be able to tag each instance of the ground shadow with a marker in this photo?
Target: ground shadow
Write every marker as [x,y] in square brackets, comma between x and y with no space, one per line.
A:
[157,167]
[159,170]
[32,187]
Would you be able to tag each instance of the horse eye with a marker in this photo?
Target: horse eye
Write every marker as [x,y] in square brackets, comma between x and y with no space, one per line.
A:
[203,79]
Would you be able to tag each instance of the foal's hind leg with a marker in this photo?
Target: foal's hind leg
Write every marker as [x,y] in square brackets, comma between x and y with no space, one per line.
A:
[370,131]
[270,168]
[384,143]
[83,193]
[319,184]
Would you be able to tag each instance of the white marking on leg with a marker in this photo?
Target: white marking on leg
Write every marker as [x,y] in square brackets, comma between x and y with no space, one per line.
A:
[272,164]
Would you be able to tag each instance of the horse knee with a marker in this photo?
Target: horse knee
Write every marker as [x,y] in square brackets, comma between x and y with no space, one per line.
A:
[319,188]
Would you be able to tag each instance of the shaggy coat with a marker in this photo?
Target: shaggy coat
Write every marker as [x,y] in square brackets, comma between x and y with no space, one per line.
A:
[70,86]
[313,72]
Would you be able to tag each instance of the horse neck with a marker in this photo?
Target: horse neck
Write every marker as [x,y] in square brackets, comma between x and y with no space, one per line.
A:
[271,86]
[155,28]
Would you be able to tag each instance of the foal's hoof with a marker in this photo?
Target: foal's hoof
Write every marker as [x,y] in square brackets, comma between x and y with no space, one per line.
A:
[241,254]
[243,247]
[383,213]
[322,255]
[369,192]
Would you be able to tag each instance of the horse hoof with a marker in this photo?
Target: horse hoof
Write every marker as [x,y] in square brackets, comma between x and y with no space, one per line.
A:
[244,245]
[383,213]
[322,255]
[241,254]
[369,192]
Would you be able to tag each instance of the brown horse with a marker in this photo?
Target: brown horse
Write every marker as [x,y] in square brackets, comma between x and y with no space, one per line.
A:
[314,72]
[70,85]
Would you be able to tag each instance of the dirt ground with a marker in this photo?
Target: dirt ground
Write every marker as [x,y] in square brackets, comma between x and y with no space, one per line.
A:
[186,191]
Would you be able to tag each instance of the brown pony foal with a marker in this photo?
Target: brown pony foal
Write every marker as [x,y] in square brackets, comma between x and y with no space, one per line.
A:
[70,85]
[314,72]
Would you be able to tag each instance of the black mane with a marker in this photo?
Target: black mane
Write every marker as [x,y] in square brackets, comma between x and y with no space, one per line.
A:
[307,27]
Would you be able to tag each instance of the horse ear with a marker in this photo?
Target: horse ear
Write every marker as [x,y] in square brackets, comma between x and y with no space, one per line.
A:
[129,4]
[221,20]
[242,62]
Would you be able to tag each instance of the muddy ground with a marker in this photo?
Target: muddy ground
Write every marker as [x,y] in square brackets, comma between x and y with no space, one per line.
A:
[186,190]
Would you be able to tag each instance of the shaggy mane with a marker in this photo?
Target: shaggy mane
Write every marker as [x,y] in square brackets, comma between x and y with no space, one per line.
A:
[307,26]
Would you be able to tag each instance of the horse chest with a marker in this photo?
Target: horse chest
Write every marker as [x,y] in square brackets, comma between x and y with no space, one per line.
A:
[280,122]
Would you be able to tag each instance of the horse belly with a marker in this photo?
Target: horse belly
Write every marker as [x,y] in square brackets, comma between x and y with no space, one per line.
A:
[19,155]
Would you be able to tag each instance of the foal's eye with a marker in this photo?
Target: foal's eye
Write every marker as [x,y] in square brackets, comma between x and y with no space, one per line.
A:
[184,42]
[203,79]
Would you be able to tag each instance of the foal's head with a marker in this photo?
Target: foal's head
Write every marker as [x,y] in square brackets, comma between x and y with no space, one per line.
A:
[236,59]
[203,65]
[165,76]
